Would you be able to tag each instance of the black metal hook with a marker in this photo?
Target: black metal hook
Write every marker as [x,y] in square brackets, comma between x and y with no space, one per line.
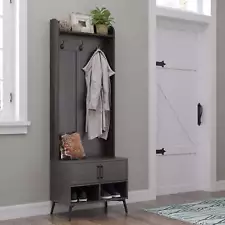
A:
[81,46]
[62,45]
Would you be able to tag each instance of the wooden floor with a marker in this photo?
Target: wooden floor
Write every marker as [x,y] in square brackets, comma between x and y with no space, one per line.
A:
[115,216]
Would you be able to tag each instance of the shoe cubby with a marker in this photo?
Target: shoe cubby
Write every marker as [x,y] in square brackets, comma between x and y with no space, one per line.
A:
[122,188]
[113,189]
[84,194]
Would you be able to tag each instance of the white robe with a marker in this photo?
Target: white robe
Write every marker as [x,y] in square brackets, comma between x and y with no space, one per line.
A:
[97,75]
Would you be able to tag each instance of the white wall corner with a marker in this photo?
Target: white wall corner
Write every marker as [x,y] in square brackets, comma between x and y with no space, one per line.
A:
[141,196]
[43,208]
[213,38]
[220,186]
[152,99]
[176,189]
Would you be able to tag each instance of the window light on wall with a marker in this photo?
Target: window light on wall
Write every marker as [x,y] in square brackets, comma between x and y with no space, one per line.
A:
[197,6]
[13,67]
[1,53]
[6,60]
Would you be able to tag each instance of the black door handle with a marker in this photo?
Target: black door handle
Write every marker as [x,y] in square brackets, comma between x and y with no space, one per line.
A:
[200,113]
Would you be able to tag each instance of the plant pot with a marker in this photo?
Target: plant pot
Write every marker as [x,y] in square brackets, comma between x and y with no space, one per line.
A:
[102,29]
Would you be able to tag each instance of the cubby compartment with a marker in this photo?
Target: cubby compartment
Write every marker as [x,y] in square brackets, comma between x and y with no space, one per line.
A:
[120,188]
[91,192]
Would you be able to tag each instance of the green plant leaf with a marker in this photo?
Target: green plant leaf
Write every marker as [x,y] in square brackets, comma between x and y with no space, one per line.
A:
[101,16]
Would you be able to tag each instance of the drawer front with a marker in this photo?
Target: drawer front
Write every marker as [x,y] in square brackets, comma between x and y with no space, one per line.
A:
[82,173]
[114,171]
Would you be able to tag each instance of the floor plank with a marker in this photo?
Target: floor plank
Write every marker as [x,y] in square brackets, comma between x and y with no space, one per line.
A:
[116,216]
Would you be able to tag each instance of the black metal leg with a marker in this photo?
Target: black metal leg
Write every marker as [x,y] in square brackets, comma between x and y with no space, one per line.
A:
[125,206]
[52,209]
[70,212]
[106,207]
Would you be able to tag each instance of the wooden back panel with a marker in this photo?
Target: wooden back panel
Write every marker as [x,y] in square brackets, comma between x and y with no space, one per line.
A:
[69,54]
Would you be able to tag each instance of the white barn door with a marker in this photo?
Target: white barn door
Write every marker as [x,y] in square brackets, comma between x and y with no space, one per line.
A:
[177,89]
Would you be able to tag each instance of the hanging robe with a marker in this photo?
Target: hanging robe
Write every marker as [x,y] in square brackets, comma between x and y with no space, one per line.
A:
[97,76]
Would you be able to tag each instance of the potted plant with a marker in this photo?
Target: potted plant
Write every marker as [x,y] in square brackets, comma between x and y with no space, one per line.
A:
[102,19]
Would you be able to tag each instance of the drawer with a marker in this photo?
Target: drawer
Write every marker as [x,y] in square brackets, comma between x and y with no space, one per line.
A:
[74,173]
[79,173]
[114,171]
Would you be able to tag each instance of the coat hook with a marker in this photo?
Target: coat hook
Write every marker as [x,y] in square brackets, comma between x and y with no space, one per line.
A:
[81,47]
[62,45]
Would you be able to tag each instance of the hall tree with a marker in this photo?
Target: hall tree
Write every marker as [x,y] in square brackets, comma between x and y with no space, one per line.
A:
[100,169]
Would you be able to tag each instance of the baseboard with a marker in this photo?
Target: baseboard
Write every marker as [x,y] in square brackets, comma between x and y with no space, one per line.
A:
[166,190]
[220,185]
[43,208]
[140,196]
[25,210]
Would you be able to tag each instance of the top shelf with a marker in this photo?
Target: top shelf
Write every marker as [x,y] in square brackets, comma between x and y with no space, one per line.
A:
[84,34]
[93,160]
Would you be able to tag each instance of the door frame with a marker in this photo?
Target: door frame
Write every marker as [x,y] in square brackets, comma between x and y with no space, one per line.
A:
[207,173]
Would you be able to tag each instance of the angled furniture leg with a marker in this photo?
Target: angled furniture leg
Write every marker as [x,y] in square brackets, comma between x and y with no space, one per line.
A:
[70,212]
[106,207]
[52,208]
[125,206]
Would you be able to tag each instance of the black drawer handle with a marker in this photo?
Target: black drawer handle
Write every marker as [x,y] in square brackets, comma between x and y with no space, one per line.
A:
[98,172]
[101,171]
